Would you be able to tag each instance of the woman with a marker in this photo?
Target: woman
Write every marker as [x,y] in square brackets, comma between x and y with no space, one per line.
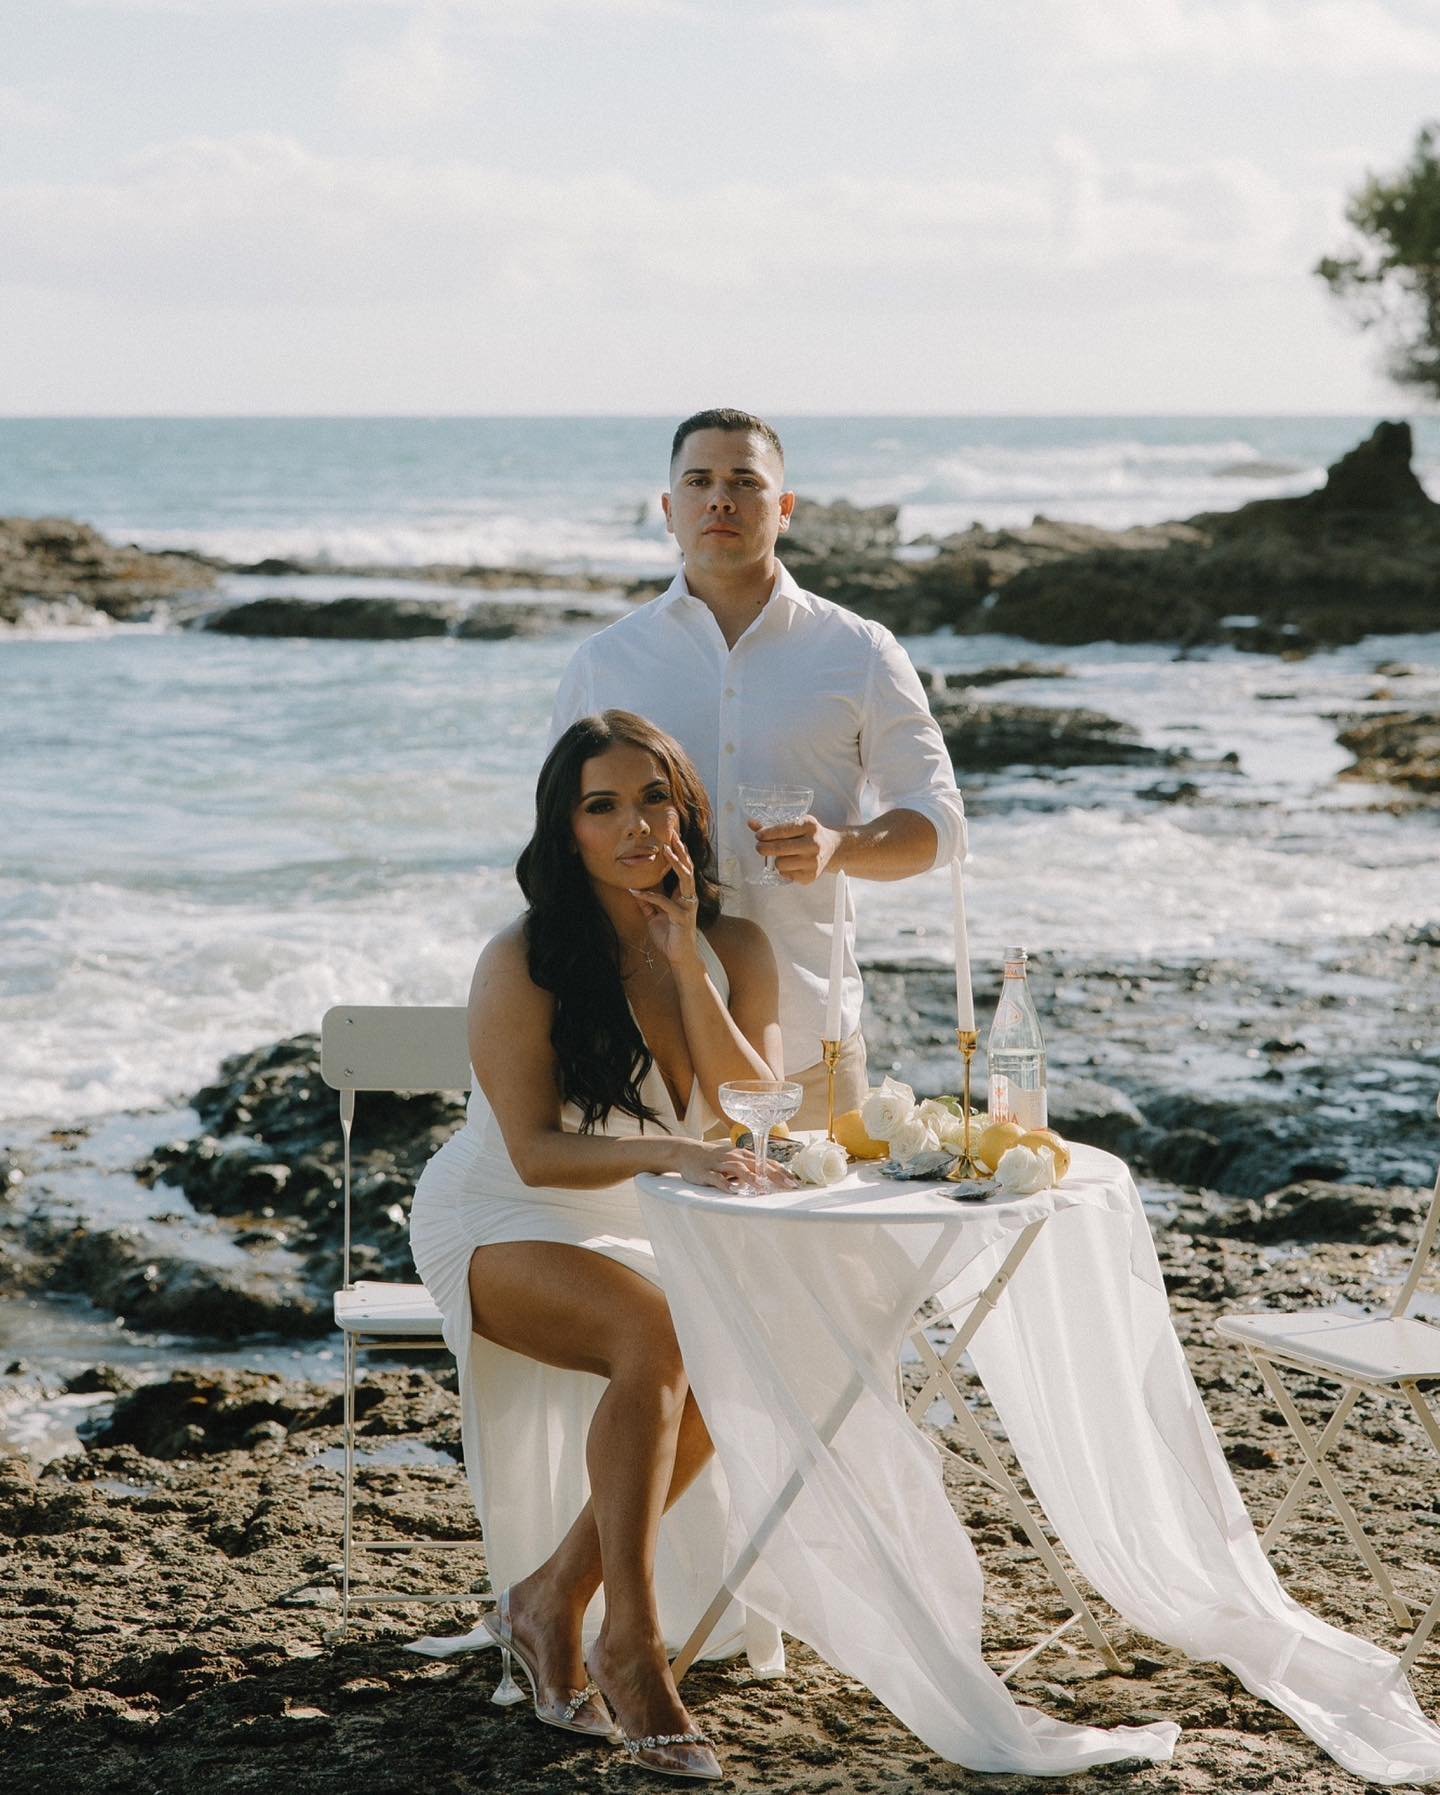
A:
[602,1023]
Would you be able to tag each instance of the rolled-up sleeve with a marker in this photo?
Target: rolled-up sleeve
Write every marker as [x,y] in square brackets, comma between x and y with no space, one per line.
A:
[574,696]
[903,752]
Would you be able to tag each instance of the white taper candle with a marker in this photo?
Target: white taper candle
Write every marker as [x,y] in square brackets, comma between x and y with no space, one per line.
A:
[964,996]
[837,963]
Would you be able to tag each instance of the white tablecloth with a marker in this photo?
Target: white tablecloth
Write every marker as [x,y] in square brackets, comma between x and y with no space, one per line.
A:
[791,1310]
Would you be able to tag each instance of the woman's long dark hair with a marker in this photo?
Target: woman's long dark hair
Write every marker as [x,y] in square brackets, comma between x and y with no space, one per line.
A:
[574,952]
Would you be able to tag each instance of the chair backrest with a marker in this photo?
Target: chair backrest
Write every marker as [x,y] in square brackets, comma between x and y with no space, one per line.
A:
[1423,1247]
[390,1047]
[393,1047]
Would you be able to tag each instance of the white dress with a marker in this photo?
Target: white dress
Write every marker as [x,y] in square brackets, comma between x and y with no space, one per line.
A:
[523,1424]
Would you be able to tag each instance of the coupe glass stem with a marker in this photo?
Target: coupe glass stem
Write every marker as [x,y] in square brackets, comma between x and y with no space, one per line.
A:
[762,1153]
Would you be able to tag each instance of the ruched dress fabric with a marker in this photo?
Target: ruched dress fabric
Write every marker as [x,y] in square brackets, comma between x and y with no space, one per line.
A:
[524,1424]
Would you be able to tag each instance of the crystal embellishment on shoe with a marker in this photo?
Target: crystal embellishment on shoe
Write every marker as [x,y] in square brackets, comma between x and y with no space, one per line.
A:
[577,1701]
[657,1739]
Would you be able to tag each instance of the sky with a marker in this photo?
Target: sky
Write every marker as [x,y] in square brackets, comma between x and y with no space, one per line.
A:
[579,206]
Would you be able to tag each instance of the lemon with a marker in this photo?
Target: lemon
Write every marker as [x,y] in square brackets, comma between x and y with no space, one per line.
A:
[778,1133]
[1047,1137]
[996,1140]
[850,1133]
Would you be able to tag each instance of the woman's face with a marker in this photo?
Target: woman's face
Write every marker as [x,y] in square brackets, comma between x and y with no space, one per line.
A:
[626,811]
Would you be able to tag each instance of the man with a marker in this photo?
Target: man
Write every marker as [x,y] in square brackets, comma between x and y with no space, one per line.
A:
[764,684]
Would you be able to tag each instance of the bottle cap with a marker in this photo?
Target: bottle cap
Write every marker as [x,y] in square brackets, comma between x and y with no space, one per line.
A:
[1015,953]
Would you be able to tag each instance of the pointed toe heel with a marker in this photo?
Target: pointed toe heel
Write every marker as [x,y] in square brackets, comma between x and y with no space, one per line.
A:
[578,1711]
[685,1755]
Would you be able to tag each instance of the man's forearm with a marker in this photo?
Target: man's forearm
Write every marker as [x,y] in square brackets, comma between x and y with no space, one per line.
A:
[897,845]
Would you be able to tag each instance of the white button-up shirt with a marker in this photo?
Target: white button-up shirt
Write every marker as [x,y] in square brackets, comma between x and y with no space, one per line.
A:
[810,695]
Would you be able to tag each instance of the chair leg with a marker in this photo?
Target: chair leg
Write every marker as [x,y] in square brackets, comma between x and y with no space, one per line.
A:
[1420,1635]
[336,1633]
[1302,1483]
[1318,1469]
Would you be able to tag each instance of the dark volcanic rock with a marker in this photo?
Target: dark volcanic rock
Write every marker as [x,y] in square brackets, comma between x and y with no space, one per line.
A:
[982,735]
[117,1270]
[1360,556]
[349,619]
[48,561]
[839,531]
[992,676]
[273,1147]
[1313,1211]
[1401,747]
[363,618]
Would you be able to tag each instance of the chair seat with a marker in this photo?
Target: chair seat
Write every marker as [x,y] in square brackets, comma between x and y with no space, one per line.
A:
[1378,1348]
[369,1308]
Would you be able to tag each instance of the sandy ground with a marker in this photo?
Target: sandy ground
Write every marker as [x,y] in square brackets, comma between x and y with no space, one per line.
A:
[162,1617]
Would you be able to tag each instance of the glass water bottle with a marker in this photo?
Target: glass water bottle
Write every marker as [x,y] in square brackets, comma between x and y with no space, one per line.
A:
[1015,1052]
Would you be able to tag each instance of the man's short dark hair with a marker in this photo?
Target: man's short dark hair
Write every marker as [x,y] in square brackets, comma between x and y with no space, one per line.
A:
[724,417]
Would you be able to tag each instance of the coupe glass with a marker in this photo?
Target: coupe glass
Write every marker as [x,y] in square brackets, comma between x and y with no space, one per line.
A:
[758,1104]
[767,804]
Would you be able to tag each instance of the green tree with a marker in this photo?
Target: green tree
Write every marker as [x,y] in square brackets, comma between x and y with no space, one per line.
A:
[1389,278]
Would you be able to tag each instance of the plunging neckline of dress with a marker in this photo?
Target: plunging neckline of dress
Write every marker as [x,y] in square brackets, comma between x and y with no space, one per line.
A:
[714,967]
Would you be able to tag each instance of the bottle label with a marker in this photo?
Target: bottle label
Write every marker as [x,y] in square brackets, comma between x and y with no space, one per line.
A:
[1028,1108]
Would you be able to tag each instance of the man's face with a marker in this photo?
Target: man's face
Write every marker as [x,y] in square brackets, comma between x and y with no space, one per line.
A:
[727,501]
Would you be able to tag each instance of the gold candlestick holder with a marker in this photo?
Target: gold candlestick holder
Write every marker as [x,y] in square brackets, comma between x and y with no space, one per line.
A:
[830,1050]
[966,1166]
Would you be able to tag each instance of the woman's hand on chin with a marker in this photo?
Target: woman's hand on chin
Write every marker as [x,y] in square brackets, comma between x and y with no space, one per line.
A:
[735,1170]
[674,921]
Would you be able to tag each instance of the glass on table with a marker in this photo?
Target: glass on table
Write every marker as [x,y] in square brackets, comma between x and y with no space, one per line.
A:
[767,804]
[758,1104]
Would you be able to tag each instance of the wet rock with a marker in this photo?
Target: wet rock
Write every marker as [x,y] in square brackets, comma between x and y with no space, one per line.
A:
[197,1412]
[974,679]
[98,1378]
[53,560]
[1360,556]
[1085,1110]
[1313,1211]
[117,1270]
[983,735]
[350,619]
[273,1148]
[839,531]
[1399,747]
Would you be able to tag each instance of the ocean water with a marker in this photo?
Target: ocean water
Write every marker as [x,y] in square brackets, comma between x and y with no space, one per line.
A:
[585,492]
[210,840]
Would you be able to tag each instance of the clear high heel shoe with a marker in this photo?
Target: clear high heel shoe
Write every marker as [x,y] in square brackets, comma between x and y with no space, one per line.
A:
[569,1712]
[684,1755]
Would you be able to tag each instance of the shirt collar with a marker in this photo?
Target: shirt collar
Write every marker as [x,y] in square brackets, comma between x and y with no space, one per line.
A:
[783,594]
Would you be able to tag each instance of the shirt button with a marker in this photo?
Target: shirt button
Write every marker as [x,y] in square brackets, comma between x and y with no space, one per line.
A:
[729,747]
[729,691]
[729,808]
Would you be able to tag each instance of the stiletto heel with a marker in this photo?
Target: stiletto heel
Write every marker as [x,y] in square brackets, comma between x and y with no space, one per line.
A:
[553,1711]
[507,1690]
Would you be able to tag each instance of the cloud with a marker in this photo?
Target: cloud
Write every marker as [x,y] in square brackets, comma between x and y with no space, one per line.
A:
[260,218]
[22,111]
[1341,37]
[420,74]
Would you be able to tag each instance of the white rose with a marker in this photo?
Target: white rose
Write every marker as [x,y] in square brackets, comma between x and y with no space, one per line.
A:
[912,1137]
[884,1110]
[947,1127]
[820,1162]
[1024,1170]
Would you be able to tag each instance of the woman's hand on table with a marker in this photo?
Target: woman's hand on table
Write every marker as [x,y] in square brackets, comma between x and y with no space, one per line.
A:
[735,1170]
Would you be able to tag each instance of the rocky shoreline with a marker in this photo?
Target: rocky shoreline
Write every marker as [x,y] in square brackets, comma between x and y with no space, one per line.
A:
[171,1573]
[1360,556]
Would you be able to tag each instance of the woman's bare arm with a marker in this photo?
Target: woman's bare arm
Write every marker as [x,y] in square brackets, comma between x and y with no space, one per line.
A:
[510,1018]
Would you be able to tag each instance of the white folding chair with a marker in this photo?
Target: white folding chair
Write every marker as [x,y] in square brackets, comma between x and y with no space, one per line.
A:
[1395,1355]
[385,1048]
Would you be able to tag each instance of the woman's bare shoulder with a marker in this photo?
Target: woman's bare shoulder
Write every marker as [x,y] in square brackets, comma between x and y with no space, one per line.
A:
[504,963]
[739,942]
